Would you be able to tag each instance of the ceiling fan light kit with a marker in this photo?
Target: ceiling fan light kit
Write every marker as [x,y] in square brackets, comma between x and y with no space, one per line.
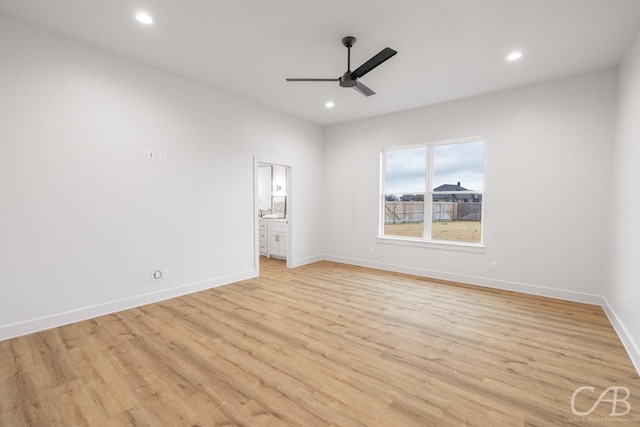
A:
[352,78]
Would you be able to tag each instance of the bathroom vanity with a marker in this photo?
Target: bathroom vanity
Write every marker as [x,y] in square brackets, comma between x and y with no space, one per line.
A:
[273,238]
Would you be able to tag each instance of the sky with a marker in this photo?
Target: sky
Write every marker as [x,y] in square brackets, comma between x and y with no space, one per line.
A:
[452,163]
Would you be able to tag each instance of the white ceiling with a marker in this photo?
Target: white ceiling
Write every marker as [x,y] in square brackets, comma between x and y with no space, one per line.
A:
[447,49]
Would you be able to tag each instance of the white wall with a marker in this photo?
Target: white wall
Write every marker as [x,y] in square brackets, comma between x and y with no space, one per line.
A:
[623,276]
[548,155]
[85,217]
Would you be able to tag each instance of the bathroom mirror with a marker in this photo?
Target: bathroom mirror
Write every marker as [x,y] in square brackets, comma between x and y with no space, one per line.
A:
[272,191]
[264,188]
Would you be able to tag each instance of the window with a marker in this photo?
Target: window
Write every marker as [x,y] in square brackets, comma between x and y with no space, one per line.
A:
[433,192]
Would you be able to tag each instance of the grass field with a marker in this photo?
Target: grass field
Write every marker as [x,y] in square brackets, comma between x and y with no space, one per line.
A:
[461,231]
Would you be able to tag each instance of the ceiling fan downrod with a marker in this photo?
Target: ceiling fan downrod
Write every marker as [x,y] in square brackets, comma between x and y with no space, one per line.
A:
[346,80]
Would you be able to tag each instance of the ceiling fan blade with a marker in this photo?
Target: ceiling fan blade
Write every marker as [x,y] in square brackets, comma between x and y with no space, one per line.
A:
[376,60]
[312,80]
[360,87]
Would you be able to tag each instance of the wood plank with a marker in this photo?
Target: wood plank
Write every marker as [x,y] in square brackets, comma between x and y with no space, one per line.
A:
[323,344]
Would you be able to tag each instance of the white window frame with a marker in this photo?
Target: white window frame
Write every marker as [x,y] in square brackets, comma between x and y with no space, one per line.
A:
[425,240]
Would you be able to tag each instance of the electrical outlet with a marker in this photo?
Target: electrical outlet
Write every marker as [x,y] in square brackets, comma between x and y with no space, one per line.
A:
[162,156]
[493,266]
[371,250]
[165,273]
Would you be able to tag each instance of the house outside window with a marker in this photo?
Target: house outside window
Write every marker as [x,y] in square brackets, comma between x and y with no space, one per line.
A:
[434,192]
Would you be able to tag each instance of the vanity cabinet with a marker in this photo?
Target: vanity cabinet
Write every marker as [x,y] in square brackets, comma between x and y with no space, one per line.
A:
[263,234]
[273,238]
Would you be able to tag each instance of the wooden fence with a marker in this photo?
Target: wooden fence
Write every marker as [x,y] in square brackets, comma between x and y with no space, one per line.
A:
[401,212]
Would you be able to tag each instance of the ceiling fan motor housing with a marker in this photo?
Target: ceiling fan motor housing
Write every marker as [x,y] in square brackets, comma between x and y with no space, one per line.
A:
[347,81]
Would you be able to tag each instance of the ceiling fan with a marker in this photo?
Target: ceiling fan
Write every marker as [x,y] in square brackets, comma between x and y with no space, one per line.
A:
[352,78]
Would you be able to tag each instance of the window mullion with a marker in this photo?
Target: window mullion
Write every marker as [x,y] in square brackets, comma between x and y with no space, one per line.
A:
[383,194]
[428,196]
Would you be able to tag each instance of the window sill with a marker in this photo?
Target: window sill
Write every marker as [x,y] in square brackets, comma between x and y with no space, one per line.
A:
[434,244]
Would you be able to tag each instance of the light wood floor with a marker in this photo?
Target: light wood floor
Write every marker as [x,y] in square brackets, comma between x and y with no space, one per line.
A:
[324,344]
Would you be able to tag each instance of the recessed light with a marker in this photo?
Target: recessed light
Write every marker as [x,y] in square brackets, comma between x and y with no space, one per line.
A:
[329,104]
[144,18]
[514,56]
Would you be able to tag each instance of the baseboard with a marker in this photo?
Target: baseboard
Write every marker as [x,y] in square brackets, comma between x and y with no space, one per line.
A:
[61,319]
[475,280]
[308,260]
[623,333]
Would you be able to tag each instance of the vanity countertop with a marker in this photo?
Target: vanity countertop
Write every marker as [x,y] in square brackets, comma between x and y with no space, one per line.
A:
[268,218]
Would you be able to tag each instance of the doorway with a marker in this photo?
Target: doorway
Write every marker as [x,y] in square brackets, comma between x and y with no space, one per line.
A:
[272,212]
